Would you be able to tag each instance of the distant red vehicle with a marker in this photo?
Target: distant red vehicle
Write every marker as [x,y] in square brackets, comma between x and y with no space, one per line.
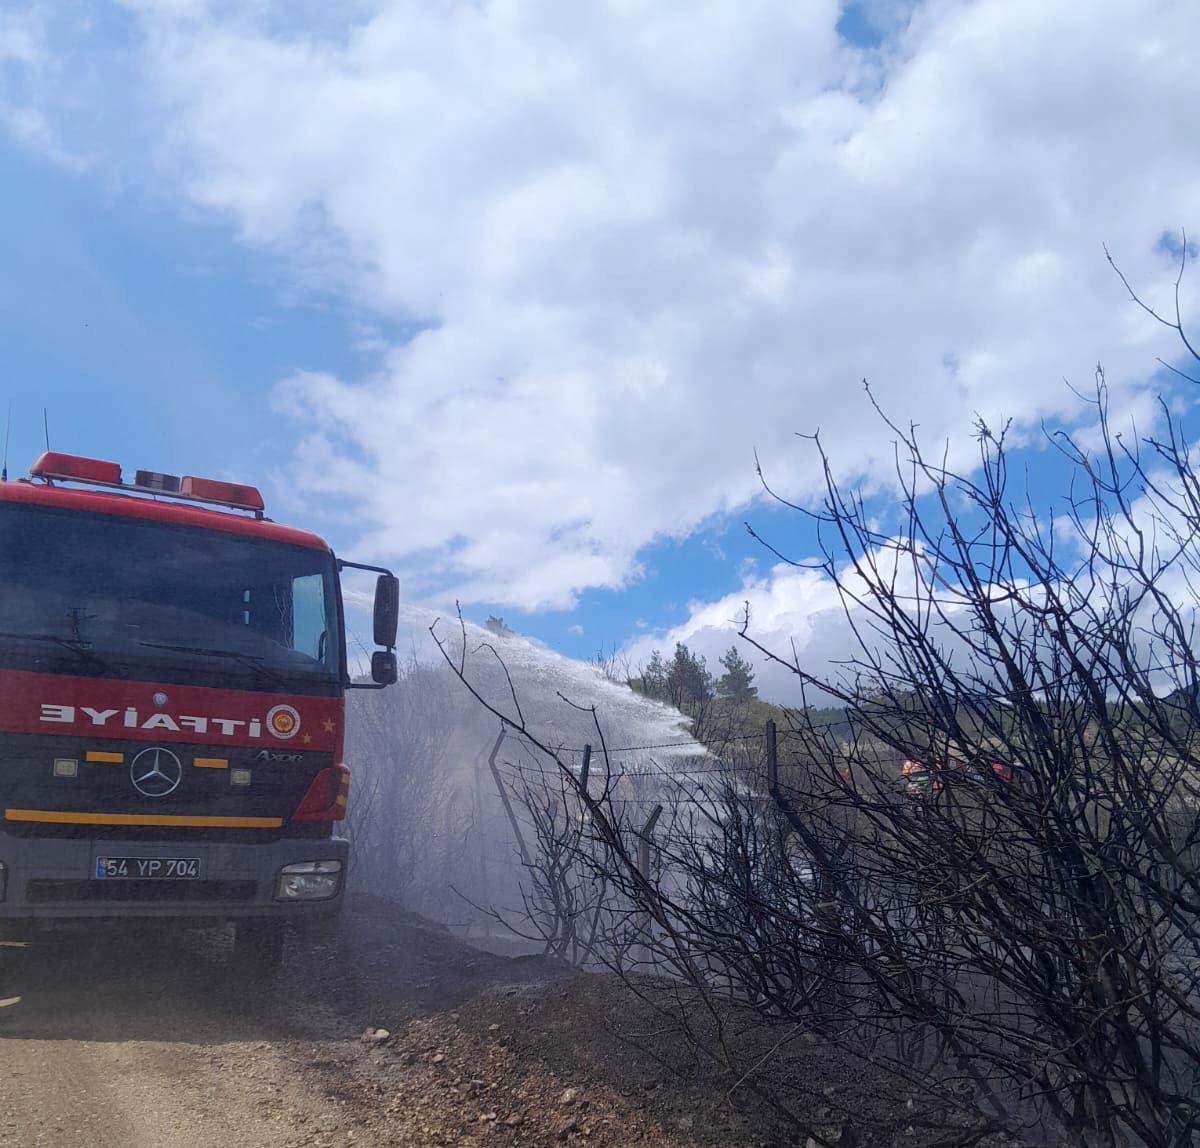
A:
[917,780]
[920,780]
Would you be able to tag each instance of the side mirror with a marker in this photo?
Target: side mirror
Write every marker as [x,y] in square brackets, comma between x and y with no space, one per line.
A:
[387,612]
[383,668]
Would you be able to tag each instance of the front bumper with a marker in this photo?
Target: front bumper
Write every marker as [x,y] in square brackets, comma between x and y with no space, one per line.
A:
[54,878]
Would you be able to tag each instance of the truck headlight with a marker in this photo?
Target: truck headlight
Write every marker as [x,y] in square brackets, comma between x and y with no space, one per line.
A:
[309,881]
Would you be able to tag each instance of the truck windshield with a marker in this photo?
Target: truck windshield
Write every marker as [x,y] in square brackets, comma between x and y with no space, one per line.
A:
[95,594]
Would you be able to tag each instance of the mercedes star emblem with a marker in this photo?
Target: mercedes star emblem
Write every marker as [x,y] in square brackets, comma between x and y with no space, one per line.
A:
[155,772]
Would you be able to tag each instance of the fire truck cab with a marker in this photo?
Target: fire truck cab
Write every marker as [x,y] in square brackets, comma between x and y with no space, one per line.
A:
[172,678]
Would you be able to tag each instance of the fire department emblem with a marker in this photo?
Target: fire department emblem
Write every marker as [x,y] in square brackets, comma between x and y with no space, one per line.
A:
[283,721]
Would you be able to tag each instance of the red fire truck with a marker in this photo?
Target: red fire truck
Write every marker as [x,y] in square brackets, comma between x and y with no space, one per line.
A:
[172,679]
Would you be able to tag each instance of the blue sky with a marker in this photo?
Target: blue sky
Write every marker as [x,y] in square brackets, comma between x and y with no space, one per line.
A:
[510,297]
[156,342]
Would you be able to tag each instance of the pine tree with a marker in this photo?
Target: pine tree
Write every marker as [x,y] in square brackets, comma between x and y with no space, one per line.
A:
[654,677]
[688,679]
[736,683]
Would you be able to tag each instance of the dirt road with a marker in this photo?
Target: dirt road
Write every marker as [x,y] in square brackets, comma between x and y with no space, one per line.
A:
[117,1039]
[124,1039]
[121,1039]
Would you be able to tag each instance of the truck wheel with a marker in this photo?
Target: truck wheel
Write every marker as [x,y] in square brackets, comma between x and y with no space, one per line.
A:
[258,946]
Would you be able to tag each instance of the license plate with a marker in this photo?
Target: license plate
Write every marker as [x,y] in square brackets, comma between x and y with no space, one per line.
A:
[148,869]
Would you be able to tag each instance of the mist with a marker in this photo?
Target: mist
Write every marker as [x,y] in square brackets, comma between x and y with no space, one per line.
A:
[428,824]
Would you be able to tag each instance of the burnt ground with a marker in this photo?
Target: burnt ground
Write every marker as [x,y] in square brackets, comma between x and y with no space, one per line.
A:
[115,1036]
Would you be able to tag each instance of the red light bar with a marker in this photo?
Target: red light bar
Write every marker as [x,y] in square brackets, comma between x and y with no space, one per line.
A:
[226,493]
[74,468]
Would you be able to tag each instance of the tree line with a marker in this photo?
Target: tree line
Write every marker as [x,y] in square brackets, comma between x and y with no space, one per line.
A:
[686,681]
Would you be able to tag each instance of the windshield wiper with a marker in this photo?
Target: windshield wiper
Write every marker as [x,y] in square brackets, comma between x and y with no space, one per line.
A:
[254,661]
[76,647]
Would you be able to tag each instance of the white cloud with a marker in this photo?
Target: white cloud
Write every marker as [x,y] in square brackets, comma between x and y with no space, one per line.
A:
[827,627]
[27,72]
[648,238]
[830,625]
[786,606]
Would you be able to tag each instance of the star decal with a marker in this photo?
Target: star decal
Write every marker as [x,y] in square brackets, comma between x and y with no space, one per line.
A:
[307,738]
[327,725]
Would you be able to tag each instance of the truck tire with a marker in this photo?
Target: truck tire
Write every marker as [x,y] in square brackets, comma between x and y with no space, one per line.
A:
[258,947]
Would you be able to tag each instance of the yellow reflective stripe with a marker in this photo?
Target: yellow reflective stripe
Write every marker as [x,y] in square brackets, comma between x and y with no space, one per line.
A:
[211,762]
[61,818]
[98,755]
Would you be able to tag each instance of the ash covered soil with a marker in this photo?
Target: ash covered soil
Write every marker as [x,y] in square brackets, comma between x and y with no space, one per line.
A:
[145,1039]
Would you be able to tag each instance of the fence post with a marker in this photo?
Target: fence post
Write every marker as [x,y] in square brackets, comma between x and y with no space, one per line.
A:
[646,925]
[583,769]
[826,911]
[772,761]
[512,817]
[481,833]
[644,842]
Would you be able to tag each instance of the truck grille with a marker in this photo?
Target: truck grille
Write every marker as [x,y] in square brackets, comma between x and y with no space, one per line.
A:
[177,892]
